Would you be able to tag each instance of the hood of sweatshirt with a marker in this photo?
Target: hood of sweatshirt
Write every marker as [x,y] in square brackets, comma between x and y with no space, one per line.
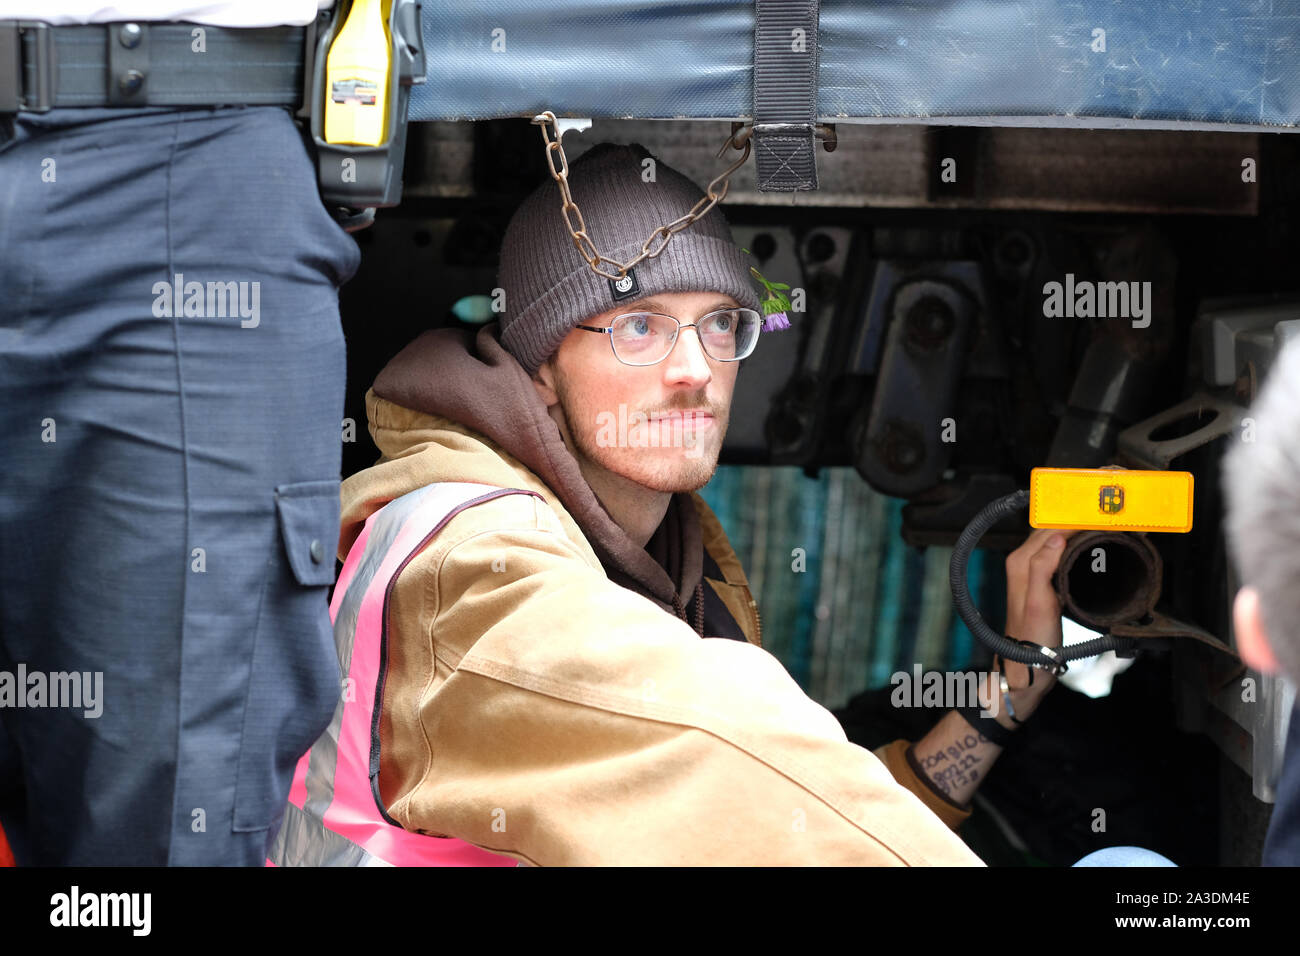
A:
[454,405]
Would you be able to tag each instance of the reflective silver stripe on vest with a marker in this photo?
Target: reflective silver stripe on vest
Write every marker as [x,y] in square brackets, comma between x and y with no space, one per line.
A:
[302,841]
[325,752]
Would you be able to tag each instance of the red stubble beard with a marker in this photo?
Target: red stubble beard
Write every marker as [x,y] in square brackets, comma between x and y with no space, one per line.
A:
[685,457]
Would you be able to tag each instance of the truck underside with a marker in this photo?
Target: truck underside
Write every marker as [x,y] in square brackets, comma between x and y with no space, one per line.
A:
[935,358]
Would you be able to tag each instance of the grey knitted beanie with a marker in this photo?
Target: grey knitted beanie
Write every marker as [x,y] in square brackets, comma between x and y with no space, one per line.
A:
[549,288]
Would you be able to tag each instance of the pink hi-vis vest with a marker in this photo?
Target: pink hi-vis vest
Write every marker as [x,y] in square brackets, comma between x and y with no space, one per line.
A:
[334,816]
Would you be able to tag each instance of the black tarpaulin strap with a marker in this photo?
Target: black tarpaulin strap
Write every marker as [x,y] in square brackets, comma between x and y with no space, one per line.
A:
[785,95]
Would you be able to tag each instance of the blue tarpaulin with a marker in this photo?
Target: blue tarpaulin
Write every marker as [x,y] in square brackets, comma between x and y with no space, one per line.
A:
[1037,62]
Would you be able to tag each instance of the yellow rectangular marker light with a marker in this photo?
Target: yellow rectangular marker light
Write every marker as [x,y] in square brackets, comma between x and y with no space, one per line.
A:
[1110,499]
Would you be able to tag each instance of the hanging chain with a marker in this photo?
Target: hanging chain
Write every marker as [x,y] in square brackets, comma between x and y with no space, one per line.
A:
[659,239]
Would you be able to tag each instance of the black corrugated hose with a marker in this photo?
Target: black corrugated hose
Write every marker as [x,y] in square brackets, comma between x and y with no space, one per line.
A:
[1023,652]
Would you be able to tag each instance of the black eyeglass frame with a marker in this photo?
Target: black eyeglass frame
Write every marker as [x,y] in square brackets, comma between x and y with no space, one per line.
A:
[609,330]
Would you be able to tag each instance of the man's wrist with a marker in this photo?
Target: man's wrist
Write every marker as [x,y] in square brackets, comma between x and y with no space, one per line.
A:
[1007,710]
[1021,698]
[990,726]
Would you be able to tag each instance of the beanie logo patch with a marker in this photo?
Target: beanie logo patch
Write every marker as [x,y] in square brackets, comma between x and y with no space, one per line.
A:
[625,287]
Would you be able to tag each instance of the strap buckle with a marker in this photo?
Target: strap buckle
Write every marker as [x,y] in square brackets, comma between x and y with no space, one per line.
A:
[26,66]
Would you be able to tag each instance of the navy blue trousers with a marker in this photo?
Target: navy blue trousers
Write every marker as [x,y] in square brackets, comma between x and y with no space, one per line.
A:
[169,477]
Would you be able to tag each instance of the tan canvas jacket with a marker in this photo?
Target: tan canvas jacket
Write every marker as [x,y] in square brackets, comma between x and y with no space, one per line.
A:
[537,709]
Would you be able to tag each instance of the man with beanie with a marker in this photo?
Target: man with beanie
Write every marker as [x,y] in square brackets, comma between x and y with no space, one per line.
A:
[575,676]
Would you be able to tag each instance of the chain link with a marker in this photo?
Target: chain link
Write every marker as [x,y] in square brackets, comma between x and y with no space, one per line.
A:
[739,139]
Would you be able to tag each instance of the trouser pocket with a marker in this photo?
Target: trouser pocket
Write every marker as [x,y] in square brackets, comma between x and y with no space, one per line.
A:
[295,678]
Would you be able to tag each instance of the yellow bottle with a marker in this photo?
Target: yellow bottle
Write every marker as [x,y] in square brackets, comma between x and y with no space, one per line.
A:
[356,78]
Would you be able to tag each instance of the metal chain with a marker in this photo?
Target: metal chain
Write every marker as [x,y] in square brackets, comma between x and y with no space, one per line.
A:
[569,209]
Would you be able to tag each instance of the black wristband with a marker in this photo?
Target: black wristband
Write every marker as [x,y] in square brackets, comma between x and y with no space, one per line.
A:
[987,726]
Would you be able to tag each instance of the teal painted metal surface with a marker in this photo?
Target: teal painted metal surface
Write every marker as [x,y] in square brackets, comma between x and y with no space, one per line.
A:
[844,602]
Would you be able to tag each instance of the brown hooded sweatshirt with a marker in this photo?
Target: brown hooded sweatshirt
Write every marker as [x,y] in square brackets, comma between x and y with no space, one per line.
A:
[558,694]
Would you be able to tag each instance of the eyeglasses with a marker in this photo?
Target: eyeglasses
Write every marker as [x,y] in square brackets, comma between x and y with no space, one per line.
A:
[646,338]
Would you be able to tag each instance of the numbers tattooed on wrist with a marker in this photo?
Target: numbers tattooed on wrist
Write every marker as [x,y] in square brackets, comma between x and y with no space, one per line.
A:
[956,765]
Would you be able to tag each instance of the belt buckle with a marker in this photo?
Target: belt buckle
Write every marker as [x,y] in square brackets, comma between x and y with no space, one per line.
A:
[26,42]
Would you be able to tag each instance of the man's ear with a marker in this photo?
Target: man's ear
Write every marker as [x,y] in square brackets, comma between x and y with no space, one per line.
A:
[544,382]
[1252,639]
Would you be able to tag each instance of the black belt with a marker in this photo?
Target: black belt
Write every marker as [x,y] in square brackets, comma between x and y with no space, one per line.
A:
[150,64]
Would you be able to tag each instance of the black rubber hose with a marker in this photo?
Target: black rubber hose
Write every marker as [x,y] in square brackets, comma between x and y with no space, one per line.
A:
[1008,647]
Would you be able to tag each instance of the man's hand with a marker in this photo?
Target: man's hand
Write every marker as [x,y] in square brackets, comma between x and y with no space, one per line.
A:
[1033,612]
[953,756]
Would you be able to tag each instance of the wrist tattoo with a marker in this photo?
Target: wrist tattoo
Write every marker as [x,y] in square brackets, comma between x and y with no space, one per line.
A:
[956,765]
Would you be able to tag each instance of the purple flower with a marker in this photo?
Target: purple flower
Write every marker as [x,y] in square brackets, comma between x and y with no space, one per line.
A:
[776,321]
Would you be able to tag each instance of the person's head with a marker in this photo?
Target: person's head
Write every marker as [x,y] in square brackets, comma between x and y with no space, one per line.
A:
[1262,489]
[659,425]
[611,399]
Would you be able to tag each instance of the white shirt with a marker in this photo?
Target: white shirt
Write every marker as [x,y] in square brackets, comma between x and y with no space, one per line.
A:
[217,13]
